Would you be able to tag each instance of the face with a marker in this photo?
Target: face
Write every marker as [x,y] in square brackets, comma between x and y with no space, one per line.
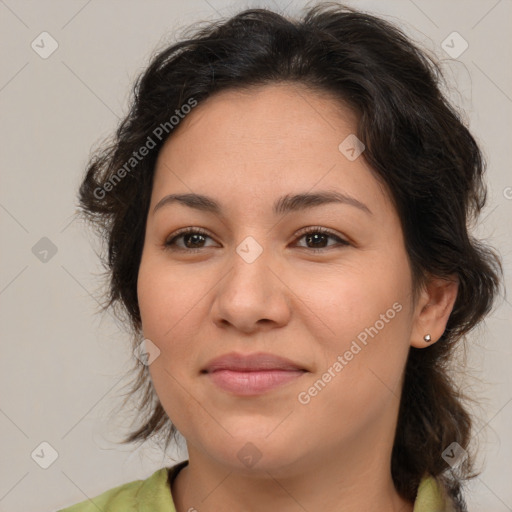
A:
[324,284]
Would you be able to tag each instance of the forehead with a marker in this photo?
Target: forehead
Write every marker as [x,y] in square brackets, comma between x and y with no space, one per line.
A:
[262,142]
[273,114]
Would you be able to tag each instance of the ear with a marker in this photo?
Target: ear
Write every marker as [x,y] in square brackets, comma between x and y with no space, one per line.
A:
[433,309]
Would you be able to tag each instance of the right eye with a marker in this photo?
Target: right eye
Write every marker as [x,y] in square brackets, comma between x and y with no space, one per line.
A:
[190,236]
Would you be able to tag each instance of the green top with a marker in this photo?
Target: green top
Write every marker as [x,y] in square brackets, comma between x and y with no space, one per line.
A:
[154,495]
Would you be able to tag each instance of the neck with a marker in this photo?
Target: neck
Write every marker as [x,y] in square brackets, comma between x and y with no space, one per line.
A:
[330,483]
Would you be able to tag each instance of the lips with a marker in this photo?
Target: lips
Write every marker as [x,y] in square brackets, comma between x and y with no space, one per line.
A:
[251,375]
[251,363]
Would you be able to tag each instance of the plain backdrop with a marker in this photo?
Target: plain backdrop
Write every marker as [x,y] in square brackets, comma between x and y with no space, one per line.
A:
[63,366]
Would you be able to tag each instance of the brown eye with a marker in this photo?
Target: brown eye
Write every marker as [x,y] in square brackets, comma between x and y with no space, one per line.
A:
[192,238]
[317,236]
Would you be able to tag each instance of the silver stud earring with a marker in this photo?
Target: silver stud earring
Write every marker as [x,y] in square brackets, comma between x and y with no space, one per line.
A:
[427,337]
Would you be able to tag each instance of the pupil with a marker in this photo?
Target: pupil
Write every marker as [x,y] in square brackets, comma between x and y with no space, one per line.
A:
[316,235]
[192,236]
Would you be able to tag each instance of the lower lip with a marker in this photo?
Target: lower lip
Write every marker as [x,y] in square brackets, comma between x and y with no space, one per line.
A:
[254,382]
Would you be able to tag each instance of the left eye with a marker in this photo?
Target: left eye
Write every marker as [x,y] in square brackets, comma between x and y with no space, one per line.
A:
[194,236]
[318,235]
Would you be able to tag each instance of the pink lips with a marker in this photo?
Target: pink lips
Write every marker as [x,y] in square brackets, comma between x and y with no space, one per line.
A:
[252,374]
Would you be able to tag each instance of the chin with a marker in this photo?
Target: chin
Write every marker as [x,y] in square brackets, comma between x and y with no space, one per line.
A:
[252,452]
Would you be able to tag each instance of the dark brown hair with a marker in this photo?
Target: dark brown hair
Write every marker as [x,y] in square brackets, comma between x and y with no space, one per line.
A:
[416,144]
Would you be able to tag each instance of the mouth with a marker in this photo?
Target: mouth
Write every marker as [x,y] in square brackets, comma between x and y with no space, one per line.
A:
[249,375]
[250,383]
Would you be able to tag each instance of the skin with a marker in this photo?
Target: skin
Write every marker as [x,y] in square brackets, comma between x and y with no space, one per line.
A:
[246,149]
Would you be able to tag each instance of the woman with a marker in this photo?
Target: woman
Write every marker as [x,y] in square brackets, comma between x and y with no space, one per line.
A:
[303,374]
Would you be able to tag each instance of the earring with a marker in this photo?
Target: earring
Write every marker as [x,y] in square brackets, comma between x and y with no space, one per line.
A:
[427,337]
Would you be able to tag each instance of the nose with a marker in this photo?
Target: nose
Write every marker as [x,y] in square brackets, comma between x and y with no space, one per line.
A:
[252,295]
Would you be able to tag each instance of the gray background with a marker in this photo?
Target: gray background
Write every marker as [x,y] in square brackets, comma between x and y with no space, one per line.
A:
[62,366]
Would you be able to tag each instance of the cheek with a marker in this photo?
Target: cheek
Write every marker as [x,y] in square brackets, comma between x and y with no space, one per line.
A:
[171,318]
[348,299]
[166,296]
[359,380]
[365,315]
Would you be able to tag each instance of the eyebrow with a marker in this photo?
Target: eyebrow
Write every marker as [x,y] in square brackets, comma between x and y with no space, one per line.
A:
[285,204]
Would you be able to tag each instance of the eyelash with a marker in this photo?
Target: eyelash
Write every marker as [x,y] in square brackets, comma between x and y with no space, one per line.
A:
[170,243]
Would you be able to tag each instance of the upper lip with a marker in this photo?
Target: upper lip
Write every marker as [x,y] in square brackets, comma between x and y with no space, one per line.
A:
[251,362]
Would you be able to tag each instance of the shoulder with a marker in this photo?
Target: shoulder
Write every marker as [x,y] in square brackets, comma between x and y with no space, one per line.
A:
[151,494]
[432,497]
